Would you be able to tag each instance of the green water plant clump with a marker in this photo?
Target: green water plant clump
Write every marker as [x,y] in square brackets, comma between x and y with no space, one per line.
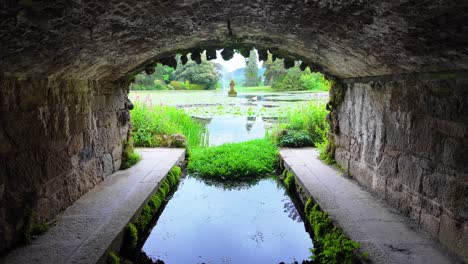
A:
[164,126]
[234,160]
[331,246]
[136,230]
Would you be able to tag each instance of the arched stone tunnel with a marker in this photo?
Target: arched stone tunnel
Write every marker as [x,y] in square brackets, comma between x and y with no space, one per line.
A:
[399,106]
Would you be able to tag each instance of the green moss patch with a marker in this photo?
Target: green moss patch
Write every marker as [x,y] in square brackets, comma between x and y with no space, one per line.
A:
[234,160]
[134,231]
[129,156]
[330,244]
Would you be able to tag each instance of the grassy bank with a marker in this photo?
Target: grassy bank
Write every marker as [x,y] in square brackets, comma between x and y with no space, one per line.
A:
[305,125]
[164,126]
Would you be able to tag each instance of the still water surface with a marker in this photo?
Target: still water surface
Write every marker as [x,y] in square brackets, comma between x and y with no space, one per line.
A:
[211,224]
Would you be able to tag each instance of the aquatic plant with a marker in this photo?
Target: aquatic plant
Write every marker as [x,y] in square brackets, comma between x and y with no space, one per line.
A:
[155,126]
[234,160]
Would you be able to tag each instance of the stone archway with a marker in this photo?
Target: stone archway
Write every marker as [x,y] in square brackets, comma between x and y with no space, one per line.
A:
[65,69]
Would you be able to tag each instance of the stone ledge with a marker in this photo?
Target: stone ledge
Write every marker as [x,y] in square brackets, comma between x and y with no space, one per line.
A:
[86,230]
[388,236]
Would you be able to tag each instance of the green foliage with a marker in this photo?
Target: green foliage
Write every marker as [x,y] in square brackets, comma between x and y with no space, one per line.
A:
[289,181]
[304,126]
[129,156]
[155,126]
[234,160]
[251,72]
[177,85]
[195,86]
[156,81]
[273,70]
[202,74]
[112,258]
[293,79]
[294,138]
[330,245]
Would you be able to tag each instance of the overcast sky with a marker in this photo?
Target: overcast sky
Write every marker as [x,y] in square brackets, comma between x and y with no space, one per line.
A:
[238,61]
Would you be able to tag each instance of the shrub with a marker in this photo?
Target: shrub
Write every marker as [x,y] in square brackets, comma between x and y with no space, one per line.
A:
[295,139]
[177,85]
[234,160]
[195,86]
[310,117]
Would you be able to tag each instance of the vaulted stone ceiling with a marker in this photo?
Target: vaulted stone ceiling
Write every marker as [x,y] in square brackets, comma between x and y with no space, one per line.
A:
[110,39]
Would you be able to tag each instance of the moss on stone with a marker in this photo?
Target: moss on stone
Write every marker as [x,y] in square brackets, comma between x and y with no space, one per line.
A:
[34,227]
[330,244]
[129,156]
[289,181]
[112,258]
[151,208]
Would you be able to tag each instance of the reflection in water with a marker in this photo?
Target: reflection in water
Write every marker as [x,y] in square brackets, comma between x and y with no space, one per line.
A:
[234,129]
[210,224]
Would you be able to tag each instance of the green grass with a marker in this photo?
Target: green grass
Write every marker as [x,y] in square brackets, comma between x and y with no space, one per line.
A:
[305,125]
[234,160]
[310,117]
[160,126]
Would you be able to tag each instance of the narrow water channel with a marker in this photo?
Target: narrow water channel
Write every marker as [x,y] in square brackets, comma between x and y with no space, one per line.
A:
[211,224]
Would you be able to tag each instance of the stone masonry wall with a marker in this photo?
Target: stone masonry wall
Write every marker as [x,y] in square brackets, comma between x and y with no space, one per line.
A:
[58,139]
[408,142]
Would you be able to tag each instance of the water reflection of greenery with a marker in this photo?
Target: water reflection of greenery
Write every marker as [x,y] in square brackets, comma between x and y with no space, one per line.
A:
[238,184]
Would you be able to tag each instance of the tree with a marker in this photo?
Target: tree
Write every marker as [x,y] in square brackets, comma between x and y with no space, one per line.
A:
[155,81]
[273,70]
[251,71]
[203,74]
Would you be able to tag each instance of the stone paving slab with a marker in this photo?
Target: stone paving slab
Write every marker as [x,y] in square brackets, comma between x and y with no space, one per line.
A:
[84,231]
[388,236]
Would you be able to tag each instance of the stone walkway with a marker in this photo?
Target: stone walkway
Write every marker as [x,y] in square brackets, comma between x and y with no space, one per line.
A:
[388,236]
[85,230]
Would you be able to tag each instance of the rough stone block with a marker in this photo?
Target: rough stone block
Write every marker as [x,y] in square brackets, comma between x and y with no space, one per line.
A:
[430,223]
[76,144]
[409,172]
[451,233]
[107,165]
[58,163]
[25,170]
